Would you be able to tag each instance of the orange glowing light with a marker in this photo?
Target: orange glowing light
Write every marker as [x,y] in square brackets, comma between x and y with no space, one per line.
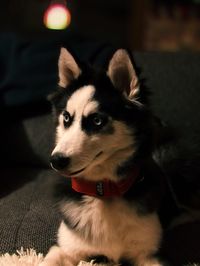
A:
[57,17]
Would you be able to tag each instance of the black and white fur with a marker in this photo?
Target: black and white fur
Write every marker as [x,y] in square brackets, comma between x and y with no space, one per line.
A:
[104,128]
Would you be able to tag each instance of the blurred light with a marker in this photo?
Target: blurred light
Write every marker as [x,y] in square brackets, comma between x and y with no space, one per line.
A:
[57,17]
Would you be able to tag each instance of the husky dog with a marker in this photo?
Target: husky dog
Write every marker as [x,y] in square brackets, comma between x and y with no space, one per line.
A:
[104,142]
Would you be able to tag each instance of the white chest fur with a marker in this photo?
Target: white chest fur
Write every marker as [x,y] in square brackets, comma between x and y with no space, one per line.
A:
[112,228]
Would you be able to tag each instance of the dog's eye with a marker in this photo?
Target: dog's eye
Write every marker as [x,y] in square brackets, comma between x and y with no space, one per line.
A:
[97,120]
[94,123]
[67,119]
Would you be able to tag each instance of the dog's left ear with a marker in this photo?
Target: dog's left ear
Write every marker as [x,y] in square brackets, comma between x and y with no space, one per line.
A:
[67,67]
[123,75]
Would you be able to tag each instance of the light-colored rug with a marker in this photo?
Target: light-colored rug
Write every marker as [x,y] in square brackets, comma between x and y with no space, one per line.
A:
[21,258]
[29,257]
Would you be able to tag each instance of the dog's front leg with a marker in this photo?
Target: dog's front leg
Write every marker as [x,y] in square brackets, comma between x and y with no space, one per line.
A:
[57,257]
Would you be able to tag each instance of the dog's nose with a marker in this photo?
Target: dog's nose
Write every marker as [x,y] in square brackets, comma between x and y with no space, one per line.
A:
[59,161]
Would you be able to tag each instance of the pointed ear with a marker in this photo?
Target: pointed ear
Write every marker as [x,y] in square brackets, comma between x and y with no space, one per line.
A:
[68,69]
[123,75]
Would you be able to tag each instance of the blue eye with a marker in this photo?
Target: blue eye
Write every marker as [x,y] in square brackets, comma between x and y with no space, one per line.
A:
[67,119]
[97,120]
[95,123]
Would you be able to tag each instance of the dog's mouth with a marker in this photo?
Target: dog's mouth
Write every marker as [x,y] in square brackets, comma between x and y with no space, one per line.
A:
[82,169]
[77,172]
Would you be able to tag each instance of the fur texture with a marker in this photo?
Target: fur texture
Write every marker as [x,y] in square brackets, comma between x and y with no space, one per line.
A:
[105,129]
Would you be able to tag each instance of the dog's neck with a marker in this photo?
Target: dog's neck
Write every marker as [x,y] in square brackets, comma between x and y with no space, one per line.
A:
[107,188]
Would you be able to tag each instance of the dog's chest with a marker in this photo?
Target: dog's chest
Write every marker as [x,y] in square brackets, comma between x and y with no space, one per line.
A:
[110,227]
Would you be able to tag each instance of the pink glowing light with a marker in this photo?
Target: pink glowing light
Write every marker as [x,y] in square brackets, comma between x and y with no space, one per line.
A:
[57,17]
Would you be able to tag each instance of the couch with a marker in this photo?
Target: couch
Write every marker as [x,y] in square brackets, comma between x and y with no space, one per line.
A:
[28,73]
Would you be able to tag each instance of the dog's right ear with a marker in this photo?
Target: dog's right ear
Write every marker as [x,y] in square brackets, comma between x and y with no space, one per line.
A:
[68,69]
[123,75]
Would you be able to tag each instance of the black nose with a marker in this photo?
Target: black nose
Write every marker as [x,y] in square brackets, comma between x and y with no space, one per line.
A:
[59,161]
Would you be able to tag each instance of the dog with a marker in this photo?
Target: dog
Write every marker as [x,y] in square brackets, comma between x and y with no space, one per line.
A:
[105,136]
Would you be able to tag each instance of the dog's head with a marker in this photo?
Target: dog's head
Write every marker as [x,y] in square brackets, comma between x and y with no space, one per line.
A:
[102,121]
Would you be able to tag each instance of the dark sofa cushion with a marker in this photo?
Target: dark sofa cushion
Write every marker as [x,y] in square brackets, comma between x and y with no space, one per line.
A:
[174,81]
[27,215]
[181,244]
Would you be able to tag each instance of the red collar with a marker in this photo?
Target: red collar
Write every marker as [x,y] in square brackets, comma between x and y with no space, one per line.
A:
[105,188]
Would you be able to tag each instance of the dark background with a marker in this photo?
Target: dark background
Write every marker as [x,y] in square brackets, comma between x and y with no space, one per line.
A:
[28,73]
[168,25]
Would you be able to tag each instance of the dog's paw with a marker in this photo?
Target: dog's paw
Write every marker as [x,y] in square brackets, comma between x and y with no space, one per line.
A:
[56,257]
[49,262]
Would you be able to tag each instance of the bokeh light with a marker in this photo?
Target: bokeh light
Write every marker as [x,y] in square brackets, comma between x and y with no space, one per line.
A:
[57,17]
